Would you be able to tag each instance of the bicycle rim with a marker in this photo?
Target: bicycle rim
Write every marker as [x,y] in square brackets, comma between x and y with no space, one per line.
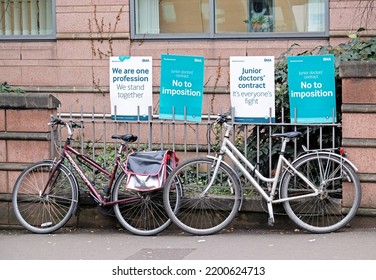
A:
[44,212]
[142,213]
[197,212]
[339,193]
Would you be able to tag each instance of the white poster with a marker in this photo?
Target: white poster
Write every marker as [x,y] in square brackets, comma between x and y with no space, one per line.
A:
[131,87]
[252,88]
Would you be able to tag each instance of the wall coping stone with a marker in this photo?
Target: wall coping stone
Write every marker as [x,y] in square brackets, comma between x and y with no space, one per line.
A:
[27,101]
[357,69]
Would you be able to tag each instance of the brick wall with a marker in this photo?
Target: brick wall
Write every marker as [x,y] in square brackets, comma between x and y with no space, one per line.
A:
[358,121]
[24,139]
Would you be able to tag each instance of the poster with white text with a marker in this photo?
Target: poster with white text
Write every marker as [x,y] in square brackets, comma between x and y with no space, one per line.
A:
[182,87]
[312,89]
[131,88]
[252,88]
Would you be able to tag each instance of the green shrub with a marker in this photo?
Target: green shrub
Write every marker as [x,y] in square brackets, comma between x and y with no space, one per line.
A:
[5,88]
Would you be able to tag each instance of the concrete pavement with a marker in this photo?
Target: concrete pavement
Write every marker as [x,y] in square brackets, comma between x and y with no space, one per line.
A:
[281,242]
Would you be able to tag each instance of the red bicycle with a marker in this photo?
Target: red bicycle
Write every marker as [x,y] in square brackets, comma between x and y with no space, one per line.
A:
[47,193]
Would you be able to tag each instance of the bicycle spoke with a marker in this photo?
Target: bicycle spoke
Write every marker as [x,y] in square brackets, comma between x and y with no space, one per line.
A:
[44,212]
[141,212]
[328,211]
[200,212]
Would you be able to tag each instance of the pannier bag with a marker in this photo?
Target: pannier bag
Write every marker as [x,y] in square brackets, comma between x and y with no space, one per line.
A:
[148,170]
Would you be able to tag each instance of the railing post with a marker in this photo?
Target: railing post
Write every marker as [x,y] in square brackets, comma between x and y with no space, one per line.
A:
[150,128]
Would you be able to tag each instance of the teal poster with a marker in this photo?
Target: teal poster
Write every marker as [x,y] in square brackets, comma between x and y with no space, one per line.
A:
[311,82]
[182,87]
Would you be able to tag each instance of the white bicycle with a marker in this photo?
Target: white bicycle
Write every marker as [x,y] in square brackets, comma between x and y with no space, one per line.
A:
[320,190]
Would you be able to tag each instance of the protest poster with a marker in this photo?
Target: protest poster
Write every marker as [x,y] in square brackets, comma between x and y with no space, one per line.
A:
[252,88]
[131,89]
[312,91]
[182,87]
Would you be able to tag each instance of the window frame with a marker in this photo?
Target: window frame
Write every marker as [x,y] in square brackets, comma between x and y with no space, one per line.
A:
[39,37]
[233,35]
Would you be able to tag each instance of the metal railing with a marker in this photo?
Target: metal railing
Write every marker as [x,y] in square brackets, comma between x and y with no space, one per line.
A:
[189,139]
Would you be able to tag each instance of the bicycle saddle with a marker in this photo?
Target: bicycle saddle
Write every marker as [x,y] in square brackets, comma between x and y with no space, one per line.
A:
[129,138]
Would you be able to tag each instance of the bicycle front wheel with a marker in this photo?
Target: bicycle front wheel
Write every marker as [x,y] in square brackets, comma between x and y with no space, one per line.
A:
[202,211]
[338,198]
[43,201]
[140,212]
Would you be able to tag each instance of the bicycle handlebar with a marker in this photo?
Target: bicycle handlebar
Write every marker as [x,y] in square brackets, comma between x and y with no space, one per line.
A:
[222,118]
[58,121]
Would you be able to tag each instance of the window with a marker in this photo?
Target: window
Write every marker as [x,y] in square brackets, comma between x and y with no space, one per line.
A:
[27,19]
[229,18]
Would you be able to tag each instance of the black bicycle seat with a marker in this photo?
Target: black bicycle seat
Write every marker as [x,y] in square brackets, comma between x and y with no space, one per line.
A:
[129,138]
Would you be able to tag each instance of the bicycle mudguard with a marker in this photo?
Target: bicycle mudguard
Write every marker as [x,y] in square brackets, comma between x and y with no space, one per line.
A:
[237,177]
[323,152]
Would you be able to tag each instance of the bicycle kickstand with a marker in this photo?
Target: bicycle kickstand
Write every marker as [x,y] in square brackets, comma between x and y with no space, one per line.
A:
[271,214]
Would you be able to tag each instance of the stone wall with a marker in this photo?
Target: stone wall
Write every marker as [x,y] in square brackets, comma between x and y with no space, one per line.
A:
[358,122]
[24,138]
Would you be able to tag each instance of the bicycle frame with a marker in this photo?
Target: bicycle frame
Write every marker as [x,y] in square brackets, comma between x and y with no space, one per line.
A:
[237,158]
[102,201]
[233,153]
[93,191]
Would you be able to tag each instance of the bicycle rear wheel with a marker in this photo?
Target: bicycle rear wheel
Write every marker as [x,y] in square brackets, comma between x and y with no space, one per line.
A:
[338,198]
[142,212]
[199,212]
[43,207]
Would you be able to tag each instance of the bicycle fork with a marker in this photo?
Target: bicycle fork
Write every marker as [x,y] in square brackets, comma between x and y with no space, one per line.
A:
[217,161]
[54,174]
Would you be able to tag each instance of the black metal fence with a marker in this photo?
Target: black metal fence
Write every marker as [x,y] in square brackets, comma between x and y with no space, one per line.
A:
[189,139]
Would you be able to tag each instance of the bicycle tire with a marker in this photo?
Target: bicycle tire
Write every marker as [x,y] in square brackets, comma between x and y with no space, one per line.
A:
[143,213]
[197,214]
[338,199]
[48,212]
